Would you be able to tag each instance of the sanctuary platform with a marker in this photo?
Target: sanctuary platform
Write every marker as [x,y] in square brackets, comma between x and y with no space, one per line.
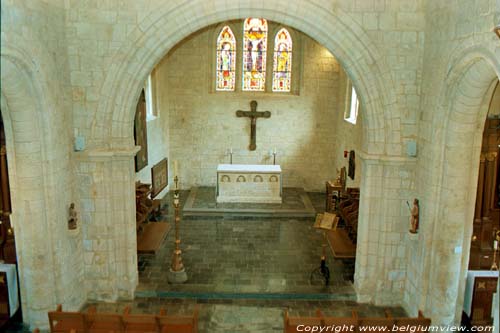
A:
[202,202]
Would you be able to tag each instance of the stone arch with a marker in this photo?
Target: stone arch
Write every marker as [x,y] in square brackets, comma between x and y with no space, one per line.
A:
[469,79]
[170,23]
[23,103]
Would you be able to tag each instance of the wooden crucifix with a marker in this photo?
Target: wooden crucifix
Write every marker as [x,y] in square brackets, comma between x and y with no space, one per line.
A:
[253,115]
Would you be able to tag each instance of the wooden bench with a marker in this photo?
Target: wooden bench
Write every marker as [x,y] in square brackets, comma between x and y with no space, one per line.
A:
[95,322]
[352,323]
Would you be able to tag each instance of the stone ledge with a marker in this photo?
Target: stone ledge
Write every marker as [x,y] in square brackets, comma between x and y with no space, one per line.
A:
[107,154]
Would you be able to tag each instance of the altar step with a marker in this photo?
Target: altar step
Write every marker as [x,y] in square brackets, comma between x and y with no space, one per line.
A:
[344,294]
[201,202]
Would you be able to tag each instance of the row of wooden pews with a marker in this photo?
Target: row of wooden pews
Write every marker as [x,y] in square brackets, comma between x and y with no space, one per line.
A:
[343,238]
[349,210]
[150,232]
[145,207]
[95,322]
[321,323]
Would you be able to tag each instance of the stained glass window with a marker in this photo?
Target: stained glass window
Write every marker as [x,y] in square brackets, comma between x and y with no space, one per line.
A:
[254,54]
[226,60]
[282,66]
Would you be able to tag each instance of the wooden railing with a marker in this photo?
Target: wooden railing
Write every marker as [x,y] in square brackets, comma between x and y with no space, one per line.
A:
[96,322]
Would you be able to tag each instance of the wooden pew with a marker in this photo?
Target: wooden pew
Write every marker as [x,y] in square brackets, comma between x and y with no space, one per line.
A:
[383,323]
[420,322]
[64,322]
[292,324]
[353,323]
[103,322]
[141,323]
[179,324]
[95,322]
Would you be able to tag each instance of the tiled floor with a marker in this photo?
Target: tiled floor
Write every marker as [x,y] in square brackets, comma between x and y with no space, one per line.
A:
[232,254]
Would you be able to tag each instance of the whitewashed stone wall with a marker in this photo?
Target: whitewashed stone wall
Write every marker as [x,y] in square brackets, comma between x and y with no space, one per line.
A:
[107,193]
[157,150]
[383,226]
[347,136]
[305,129]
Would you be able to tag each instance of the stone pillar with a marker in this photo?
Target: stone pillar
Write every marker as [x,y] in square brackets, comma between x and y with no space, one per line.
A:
[383,223]
[107,198]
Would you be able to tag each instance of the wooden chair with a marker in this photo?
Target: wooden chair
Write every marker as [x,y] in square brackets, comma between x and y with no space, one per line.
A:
[103,322]
[179,323]
[64,322]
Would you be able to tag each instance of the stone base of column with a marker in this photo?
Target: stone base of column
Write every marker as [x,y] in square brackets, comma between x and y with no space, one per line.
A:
[177,276]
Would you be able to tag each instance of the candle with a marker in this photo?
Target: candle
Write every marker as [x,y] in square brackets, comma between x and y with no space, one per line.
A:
[231,150]
[495,244]
[176,168]
[274,152]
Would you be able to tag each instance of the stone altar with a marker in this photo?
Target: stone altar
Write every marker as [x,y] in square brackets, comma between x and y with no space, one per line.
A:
[249,183]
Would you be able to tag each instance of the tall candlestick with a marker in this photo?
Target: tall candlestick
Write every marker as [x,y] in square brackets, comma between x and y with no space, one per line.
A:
[176,168]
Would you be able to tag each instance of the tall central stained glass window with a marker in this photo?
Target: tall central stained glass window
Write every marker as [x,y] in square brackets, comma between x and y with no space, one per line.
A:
[254,54]
[282,65]
[226,60]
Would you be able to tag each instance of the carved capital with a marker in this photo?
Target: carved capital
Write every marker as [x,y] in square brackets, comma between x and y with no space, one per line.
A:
[490,157]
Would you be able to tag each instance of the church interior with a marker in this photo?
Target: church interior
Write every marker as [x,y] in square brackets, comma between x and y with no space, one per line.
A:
[277,166]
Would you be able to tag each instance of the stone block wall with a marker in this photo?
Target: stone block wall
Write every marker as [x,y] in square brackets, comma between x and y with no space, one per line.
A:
[383,226]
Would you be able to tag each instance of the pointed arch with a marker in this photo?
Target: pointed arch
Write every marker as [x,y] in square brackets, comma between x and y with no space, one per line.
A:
[226,60]
[282,65]
[254,54]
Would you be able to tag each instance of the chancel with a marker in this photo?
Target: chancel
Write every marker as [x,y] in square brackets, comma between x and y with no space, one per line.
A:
[410,87]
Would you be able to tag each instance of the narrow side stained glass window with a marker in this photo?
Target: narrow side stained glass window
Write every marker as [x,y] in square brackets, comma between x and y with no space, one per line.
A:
[282,66]
[226,60]
[254,54]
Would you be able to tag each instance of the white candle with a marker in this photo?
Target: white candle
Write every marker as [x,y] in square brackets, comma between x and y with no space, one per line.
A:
[176,168]
[495,244]
[274,150]
[231,150]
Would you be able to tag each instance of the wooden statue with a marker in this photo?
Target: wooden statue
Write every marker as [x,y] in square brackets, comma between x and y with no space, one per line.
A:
[414,217]
[72,217]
